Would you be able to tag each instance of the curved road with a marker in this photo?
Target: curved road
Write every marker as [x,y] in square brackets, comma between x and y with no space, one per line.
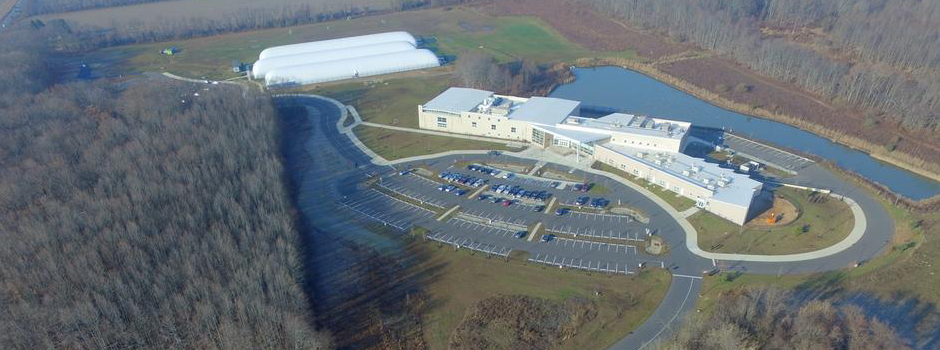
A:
[685,264]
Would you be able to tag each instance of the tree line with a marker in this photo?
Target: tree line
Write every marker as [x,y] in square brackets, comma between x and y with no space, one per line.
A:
[479,70]
[761,318]
[227,20]
[40,7]
[877,54]
[136,214]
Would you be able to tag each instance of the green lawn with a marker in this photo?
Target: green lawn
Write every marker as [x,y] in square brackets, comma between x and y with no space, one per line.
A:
[825,223]
[506,37]
[461,279]
[394,102]
[677,201]
[394,144]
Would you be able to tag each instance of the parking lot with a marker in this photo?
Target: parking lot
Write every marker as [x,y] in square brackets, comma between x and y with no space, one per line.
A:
[583,264]
[387,210]
[591,241]
[766,153]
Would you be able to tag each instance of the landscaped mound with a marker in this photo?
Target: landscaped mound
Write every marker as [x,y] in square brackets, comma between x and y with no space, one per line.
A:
[520,322]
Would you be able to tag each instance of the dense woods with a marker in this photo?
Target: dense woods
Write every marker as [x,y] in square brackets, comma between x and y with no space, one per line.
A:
[478,70]
[767,319]
[137,215]
[228,19]
[56,6]
[878,54]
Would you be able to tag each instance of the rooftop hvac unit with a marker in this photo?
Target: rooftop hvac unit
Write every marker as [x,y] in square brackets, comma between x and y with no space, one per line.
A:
[658,162]
[721,183]
[707,181]
[641,154]
[574,121]
[696,168]
[686,173]
[710,187]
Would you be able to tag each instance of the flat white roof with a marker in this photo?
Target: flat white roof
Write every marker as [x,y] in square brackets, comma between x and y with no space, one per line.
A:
[457,99]
[545,110]
[634,124]
[738,189]
[577,135]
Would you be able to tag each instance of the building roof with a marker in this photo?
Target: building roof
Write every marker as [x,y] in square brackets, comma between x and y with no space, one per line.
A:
[577,135]
[265,65]
[642,125]
[545,110]
[738,189]
[339,43]
[457,99]
[350,68]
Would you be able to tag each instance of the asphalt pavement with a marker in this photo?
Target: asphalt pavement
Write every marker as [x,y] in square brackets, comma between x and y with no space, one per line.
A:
[334,167]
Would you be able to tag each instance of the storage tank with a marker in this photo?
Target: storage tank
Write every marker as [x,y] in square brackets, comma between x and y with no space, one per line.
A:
[263,66]
[351,68]
[335,44]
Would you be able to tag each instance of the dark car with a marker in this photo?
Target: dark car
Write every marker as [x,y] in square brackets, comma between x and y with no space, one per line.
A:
[547,238]
[582,200]
[460,193]
[538,208]
[482,197]
[561,211]
[520,234]
[496,200]
[586,187]
[493,153]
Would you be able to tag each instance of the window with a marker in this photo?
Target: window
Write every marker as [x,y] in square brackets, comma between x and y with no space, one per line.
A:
[493,127]
[473,124]
[623,166]
[512,130]
[441,119]
[442,125]
[636,172]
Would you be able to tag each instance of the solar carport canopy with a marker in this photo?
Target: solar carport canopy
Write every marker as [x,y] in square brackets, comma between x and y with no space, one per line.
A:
[335,44]
[351,68]
[263,66]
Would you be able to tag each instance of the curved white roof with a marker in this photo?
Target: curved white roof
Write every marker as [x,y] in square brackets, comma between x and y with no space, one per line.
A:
[351,68]
[263,66]
[334,44]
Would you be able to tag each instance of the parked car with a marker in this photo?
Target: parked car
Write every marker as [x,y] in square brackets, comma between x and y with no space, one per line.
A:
[520,234]
[582,200]
[493,153]
[496,200]
[547,238]
[561,211]
[507,175]
[586,187]
[495,172]
[460,193]
[507,202]
[538,208]
[441,187]
[482,197]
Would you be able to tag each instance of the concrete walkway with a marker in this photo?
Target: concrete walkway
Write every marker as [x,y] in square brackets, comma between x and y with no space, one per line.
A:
[689,212]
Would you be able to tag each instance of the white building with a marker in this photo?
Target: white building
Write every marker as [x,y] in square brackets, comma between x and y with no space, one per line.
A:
[648,148]
[340,59]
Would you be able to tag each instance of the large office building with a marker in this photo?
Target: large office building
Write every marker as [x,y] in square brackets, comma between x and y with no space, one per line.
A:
[649,148]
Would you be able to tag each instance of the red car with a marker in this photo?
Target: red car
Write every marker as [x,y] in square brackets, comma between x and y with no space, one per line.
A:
[506,203]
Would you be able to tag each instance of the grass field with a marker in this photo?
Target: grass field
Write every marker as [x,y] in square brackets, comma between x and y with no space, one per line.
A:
[211,9]
[394,144]
[394,102]
[451,32]
[623,302]
[825,223]
[675,200]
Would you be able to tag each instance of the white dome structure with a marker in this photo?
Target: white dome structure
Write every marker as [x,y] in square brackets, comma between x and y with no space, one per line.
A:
[335,44]
[351,68]
[263,66]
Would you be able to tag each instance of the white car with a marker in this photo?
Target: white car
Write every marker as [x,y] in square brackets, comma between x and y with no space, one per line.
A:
[507,175]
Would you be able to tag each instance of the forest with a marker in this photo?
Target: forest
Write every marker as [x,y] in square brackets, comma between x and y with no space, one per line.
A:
[135,214]
[766,318]
[877,54]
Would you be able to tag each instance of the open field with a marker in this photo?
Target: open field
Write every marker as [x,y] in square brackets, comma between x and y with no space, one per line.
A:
[822,222]
[394,144]
[453,32]
[165,11]
[392,102]
[677,201]
[462,280]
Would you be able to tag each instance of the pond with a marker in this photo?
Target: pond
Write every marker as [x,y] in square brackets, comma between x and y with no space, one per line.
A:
[636,93]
